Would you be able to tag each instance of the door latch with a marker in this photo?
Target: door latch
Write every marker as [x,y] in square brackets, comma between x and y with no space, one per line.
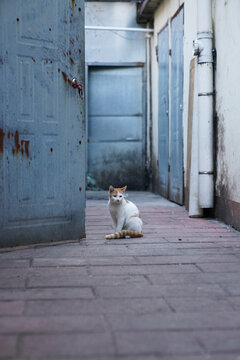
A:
[78,86]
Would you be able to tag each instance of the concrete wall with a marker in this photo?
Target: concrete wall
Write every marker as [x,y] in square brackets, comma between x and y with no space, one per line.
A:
[227,33]
[113,46]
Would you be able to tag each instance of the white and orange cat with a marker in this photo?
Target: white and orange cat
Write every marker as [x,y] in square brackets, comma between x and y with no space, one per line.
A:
[125,214]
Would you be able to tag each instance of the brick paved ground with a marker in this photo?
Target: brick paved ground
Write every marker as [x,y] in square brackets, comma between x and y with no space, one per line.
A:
[172,295]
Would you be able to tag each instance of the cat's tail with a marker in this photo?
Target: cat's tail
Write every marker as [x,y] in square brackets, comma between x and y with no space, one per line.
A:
[123,233]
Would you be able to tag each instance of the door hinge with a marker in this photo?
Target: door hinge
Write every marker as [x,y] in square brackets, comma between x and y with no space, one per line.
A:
[156,51]
[214,54]
[170,52]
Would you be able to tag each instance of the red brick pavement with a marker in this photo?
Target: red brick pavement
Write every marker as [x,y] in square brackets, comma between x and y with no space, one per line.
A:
[172,295]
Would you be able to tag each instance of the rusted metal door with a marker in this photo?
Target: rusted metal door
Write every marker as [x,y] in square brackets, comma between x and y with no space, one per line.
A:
[42,131]
[163,110]
[176,132]
[116,149]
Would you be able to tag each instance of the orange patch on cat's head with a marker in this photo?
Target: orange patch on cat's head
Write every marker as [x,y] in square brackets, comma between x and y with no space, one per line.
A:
[114,191]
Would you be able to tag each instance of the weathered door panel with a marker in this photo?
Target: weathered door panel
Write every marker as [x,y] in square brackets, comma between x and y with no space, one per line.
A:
[176,137]
[42,148]
[116,126]
[163,110]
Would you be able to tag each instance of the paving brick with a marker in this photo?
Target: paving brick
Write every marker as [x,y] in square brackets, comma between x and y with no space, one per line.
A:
[10,278]
[80,278]
[190,357]
[232,288]
[103,260]
[51,324]
[14,263]
[7,346]
[199,305]
[183,259]
[98,357]
[56,276]
[196,278]
[235,302]
[107,357]
[227,239]
[62,261]
[130,250]
[68,345]
[153,239]
[175,321]
[136,290]
[220,267]
[11,307]
[143,269]
[225,356]
[48,293]
[71,250]
[219,340]
[97,306]
[17,253]
[149,342]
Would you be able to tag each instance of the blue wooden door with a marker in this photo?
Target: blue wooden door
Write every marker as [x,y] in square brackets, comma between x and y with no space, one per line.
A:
[116,148]
[176,132]
[42,131]
[163,110]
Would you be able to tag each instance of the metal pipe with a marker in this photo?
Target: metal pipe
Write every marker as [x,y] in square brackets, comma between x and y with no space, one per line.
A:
[194,208]
[110,28]
[203,49]
[148,37]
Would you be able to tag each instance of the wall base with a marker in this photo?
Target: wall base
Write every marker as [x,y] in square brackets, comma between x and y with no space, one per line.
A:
[228,211]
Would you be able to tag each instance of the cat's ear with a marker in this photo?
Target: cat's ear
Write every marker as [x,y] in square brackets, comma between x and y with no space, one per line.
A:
[124,188]
[111,188]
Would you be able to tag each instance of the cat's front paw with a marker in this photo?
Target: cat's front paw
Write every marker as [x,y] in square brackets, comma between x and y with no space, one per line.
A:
[108,237]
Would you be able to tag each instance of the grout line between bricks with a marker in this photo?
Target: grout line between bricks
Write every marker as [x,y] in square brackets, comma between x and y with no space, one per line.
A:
[201,344]
[24,312]
[169,305]
[95,292]
[147,278]
[222,286]
[199,268]
[19,346]
[112,333]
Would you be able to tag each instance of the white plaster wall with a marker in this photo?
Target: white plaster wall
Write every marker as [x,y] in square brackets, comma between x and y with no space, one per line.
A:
[164,13]
[227,33]
[113,46]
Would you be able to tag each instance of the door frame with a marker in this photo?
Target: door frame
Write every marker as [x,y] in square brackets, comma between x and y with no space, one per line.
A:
[164,192]
[169,24]
[177,198]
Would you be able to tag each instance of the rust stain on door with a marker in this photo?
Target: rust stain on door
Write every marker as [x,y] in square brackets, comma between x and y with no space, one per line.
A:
[16,142]
[2,134]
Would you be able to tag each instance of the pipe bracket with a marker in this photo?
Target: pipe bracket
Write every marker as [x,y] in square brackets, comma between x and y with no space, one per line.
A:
[206,173]
[206,93]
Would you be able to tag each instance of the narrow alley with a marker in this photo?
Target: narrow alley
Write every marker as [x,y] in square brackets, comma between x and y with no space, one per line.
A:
[173,294]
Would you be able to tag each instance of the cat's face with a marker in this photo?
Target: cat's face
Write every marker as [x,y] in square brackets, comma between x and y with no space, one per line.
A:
[116,195]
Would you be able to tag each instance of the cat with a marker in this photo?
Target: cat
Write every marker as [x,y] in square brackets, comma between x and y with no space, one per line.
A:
[125,215]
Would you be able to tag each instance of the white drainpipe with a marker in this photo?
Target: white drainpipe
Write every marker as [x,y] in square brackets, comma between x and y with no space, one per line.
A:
[149,117]
[203,48]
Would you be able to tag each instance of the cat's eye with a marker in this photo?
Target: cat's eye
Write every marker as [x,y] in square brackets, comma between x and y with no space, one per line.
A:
[120,196]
